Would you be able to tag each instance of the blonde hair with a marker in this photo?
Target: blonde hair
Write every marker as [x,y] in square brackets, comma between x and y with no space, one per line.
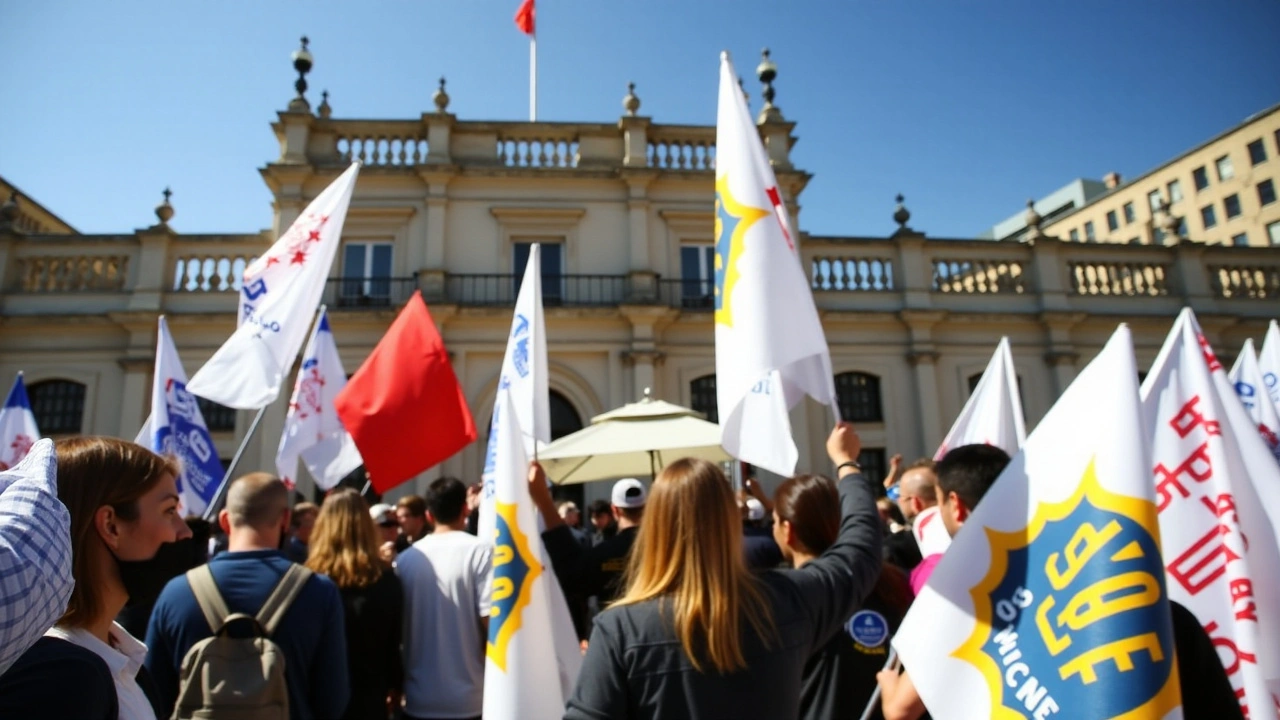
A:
[689,553]
[344,541]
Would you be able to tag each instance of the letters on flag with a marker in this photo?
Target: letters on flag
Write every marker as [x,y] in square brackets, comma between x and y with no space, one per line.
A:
[18,431]
[1269,362]
[176,428]
[770,347]
[1218,493]
[1246,377]
[529,618]
[279,295]
[1051,600]
[993,413]
[312,429]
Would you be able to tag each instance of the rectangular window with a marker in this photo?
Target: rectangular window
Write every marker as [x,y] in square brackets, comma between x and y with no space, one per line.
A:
[1225,169]
[1241,240]
[1266,192]
[1201,178]
[1273,232]
[1175,192]
[1129,215]
[1113,223]
[366,273]
[1154,199]
[697,276]
[1074,235]
[1134,241]
[1208,216]
[1088,232]
[1257,152]
[1157,235]
[552,269]
[1231,204]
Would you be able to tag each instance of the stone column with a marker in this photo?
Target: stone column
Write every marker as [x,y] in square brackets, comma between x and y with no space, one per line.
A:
[635,141]
[1061,355]
[135,400]
[646,322]
[154,271]
[924,365]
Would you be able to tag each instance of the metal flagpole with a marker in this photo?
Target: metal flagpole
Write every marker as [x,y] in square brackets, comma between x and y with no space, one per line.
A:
[533,77]
[875,696]
[214,505]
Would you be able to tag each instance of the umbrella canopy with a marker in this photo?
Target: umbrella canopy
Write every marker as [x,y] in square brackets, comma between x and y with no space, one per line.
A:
[636,439]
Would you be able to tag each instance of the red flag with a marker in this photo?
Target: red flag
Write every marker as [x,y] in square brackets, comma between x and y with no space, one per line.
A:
[525,17]
[404,407]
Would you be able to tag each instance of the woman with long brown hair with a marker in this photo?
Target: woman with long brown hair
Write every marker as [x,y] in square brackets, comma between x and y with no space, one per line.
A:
[123,501]
[344,546]
[696,634]
[841,677]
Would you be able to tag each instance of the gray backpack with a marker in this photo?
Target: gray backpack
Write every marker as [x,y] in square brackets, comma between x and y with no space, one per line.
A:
[237,678]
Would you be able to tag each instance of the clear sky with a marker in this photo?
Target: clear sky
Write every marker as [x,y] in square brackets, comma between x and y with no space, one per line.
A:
[968,107]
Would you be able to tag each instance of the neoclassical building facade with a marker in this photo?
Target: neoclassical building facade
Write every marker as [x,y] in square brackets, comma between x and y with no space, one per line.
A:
[624,210]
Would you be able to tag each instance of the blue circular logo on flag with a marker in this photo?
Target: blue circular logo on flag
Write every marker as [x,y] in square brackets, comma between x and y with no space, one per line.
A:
[868,628]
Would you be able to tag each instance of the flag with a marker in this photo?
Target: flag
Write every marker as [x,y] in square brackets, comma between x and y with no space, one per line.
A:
[280,292]
[770,348]
[1269,362]
[993,413]
[1218,492]
[526,16]
[524,376]
[176,429]
[1246,377]
[529,618]
[18,431]
[404,407]
[1051,601]
[312,429]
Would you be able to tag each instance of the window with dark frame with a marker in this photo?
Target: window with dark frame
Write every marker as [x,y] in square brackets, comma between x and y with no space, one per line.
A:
[217,417]
[1257,152]
[1113,222]
[1231,204]
[873,464]
[858,395]
[1201,177]
[1209,216]
[1089,234]
[702,397]
[551,257]
[1226,170]
[1129,215]
[58,406]
[1266,192]
[1175,192]
[1241,240]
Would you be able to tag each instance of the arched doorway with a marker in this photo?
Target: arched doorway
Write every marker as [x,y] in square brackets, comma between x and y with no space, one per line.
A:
[565,421]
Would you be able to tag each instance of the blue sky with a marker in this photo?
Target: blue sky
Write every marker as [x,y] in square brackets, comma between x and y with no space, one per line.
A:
[966,106]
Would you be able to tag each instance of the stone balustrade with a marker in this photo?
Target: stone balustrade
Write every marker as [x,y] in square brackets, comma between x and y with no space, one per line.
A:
[682,147]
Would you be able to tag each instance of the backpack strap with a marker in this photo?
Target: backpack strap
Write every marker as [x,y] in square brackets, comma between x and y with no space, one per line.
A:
[282,597]
[207,597]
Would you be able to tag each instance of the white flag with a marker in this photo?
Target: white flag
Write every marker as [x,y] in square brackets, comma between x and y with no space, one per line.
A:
[18,431]
[524,375]
[312,429]
[993,413]
[770,348]
[1269,362]
[532,655]
[1246,377]
[176,428]
[281,291]
[1218,491]
[1051,601]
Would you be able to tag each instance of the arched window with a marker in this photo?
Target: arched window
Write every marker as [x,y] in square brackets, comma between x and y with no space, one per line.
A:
[58,406]
[564,418]
[859,397]
[702,397]
[218,418]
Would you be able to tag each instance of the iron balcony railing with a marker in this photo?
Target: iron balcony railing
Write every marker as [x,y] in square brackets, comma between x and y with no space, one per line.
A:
[375,292]
[687,294]
[557,290]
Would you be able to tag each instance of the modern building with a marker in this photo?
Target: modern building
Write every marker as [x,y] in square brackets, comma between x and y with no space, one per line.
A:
[625,211]
[1060,202]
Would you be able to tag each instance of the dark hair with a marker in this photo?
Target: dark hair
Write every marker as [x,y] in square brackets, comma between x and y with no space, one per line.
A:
[599,507]
[416,506]
[631,514]
[970,470]
[812,505]
[446,499]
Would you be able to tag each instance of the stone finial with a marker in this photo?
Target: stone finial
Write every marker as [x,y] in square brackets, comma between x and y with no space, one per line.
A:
[767,71]
[901,214]
[164,211]
[1167,222]
[302,62]
[324,111]
[441,98]
[9,211]
[1033,220]
[631,103]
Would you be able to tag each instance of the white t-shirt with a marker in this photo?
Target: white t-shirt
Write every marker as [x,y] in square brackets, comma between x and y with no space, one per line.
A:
[124,657]
[446,591]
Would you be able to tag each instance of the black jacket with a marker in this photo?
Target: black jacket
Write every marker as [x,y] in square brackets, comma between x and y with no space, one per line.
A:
[635,666]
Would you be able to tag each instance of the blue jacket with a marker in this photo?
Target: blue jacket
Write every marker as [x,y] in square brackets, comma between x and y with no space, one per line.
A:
[311,635]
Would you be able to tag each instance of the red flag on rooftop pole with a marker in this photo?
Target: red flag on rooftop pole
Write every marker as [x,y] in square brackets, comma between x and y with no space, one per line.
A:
[404,408]
[525,17]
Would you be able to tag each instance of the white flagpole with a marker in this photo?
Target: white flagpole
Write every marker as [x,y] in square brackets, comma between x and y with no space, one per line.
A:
[533,77]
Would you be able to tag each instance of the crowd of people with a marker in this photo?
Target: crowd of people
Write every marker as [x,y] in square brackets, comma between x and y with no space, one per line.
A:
[689,600]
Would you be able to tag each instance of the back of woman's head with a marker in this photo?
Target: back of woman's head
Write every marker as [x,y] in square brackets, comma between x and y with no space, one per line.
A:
[97,472]
[688,553]
[811,504]
[344,541]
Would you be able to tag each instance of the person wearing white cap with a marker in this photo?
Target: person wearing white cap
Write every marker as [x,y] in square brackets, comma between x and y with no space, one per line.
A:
[384,516]
[597,571]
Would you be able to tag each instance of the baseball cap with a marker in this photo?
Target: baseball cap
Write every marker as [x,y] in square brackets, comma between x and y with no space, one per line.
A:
[755,509]
[383,514]
[629,493]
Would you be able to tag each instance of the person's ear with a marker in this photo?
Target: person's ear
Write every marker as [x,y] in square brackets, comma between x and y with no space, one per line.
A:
[108,526]
[790,530]
[224,521]
[916,505]
[431,518]
[958,509]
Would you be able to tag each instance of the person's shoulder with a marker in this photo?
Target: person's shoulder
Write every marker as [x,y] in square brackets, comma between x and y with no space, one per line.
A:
[633,620]
[52,654]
